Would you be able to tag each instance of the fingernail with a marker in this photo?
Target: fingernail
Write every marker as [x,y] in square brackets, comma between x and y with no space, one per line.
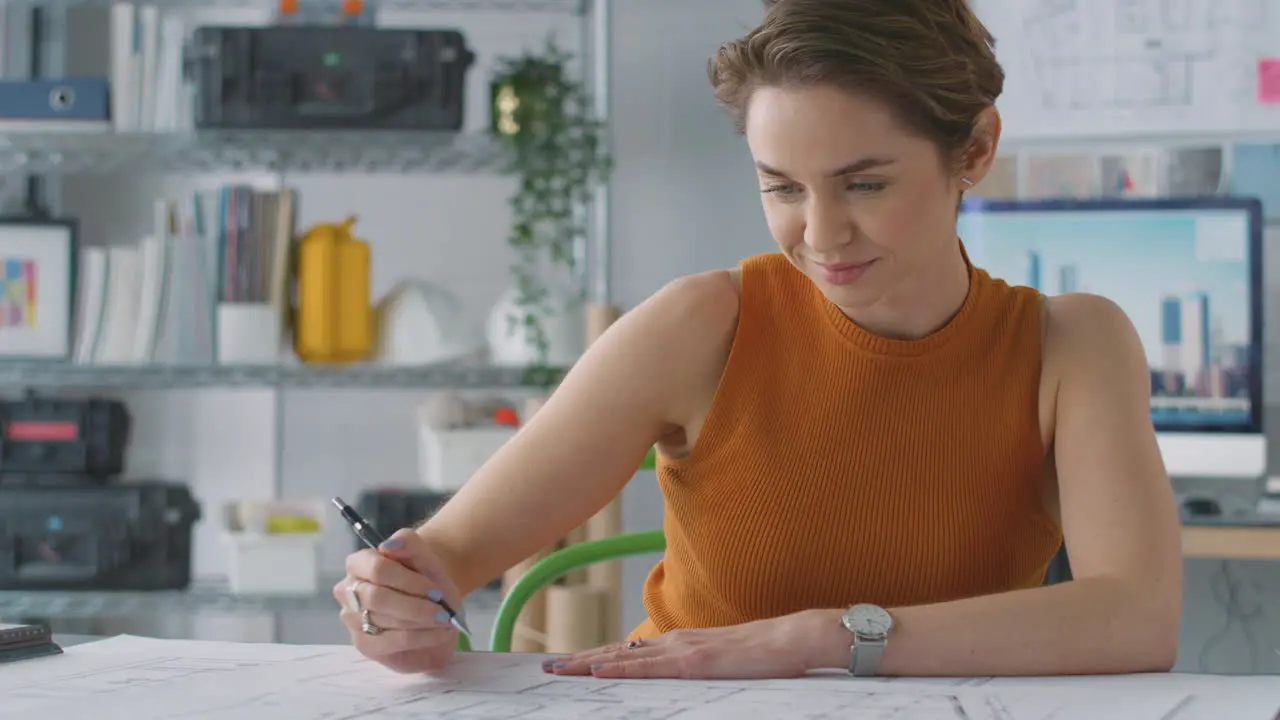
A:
[434,595]
[442,617]
[547,665]
[596,667]
[559,664]
[391,544]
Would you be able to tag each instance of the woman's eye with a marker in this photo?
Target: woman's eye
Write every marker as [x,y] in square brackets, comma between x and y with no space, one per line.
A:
[866,187]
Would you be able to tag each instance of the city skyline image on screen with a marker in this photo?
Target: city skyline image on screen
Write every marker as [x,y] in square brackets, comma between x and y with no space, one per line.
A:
[1181,276]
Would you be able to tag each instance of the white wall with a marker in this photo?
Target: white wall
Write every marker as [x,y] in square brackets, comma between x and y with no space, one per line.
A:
[683,200]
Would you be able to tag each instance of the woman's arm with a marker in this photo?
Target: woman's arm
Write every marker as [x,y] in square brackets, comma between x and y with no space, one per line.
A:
[1121,612]
[638,383]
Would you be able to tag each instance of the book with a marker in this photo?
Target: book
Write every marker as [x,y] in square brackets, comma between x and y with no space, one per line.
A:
[23,642]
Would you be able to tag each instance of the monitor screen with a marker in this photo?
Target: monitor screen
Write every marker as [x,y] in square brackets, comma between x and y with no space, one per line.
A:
[1188,275]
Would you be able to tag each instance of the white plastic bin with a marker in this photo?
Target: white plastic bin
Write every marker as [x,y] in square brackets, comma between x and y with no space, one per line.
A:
[263,563]
[447,458]
[248,334]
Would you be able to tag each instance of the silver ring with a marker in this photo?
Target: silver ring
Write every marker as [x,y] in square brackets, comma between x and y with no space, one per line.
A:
[367,626]
[633,644]
[353,600]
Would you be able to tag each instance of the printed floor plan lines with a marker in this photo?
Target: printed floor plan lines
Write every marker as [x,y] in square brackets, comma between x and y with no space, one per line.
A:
[1137,57]
[142,679]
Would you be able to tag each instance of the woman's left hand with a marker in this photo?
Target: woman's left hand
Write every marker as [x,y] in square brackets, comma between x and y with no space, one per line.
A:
[773,648]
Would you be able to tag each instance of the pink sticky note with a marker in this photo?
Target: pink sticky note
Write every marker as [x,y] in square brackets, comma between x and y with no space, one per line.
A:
[1269,81]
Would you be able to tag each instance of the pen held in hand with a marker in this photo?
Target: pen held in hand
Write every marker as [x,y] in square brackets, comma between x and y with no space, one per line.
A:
[371,537]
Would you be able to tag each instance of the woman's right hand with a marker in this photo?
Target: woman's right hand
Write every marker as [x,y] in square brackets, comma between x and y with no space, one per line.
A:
[396,584]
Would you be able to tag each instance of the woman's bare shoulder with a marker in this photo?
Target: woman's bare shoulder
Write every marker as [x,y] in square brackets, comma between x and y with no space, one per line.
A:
[687,328]
[701,301]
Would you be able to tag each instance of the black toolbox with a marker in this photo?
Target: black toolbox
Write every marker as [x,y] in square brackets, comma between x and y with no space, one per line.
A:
[86,438]
[119,536]
[297,77]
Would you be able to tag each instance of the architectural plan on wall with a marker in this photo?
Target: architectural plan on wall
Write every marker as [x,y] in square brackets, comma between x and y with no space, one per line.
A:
[130,678]
[1116,68]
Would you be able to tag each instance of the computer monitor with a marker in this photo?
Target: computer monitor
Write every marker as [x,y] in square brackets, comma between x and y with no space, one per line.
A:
[1189,275]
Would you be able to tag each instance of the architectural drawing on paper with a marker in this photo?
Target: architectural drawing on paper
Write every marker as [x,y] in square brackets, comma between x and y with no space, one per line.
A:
[174,680]
[214,688]
[1134,62]
[1132,54]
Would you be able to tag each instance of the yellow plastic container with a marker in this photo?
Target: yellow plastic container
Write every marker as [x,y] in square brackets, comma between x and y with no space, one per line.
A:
[334,322]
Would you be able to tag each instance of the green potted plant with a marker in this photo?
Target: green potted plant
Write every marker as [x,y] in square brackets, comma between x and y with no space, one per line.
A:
[555,148]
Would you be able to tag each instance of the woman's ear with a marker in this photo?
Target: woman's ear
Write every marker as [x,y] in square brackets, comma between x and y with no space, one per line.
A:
[980,154]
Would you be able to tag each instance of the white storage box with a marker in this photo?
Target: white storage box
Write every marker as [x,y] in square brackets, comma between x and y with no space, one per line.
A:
[272,563]
[448,458]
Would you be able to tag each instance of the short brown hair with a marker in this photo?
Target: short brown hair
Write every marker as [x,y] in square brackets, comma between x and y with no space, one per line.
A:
[931,61]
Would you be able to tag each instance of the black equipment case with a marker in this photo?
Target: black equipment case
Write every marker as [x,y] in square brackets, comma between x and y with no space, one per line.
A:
[126,536]
[293,77]
[63,437]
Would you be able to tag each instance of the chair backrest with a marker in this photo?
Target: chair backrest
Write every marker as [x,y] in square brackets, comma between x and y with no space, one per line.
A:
[578,555]
[557,564]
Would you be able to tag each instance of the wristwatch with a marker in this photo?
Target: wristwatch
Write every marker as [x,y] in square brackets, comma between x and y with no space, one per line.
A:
[870,625]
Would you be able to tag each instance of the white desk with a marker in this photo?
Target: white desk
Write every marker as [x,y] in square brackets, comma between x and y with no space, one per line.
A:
[147,679]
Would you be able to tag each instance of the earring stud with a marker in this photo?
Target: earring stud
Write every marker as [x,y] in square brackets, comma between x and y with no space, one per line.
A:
[966,181]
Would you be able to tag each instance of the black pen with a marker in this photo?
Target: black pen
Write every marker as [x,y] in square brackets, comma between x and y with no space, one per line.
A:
[371,537]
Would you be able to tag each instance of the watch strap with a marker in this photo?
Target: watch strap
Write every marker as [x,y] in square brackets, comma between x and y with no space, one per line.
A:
[864,655]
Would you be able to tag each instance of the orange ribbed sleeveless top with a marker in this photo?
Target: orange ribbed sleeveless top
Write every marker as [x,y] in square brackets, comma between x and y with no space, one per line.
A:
[838,467]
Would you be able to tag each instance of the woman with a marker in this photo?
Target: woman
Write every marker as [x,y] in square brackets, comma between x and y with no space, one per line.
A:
[870,450]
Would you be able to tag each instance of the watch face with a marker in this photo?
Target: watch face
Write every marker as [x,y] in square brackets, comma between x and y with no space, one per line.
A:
[868,620]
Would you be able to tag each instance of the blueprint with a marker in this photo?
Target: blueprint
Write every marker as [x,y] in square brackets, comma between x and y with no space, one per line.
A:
[1081,68]
[129,678]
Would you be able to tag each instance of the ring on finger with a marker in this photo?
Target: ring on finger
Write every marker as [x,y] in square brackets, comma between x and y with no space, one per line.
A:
[634,644]
[367,626]
[353,600]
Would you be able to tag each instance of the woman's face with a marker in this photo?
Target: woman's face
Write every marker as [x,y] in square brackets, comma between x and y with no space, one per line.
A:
[862,207]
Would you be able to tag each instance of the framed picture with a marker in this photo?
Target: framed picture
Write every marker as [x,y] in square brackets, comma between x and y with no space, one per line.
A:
[37,288]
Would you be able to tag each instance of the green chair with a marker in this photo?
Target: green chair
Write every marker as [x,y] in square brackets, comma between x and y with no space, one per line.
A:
[563,561]
[556,565]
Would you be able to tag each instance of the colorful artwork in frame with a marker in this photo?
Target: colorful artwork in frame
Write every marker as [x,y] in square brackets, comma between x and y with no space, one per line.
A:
[37,288]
